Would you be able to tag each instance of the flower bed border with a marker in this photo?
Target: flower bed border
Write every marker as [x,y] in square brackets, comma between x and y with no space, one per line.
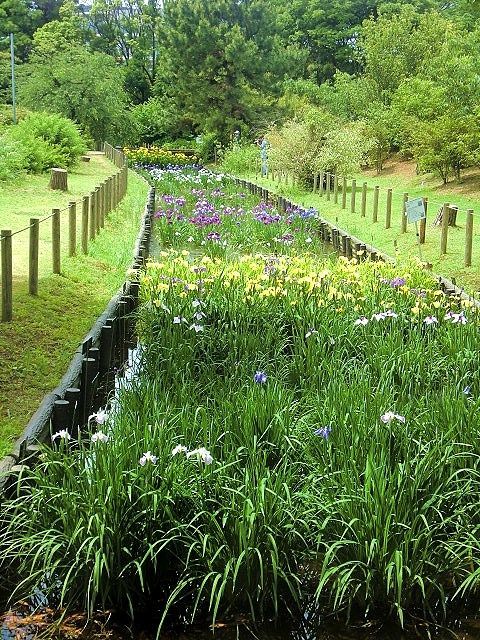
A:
[92,358]
[346,244]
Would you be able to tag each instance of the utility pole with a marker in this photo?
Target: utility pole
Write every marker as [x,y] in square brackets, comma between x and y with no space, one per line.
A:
[14,97]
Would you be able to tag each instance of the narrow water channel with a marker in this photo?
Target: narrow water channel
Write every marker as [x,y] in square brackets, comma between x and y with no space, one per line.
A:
[39,627]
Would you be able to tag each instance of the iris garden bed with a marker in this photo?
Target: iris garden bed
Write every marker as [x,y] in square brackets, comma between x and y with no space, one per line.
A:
[303,435]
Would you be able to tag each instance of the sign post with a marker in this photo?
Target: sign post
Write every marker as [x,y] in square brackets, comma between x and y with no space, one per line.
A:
[415,210]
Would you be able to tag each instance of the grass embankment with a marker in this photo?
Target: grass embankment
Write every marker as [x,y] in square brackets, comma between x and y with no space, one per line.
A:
[402,179]
[37,345]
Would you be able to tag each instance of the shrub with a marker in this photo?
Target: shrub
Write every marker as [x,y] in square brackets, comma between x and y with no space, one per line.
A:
[241,159]
[12,158]
[51,140]
[158,157]
[6,114]
[154,122]
[207,145]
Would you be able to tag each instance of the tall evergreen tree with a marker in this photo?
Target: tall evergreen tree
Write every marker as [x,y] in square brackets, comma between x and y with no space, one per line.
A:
[223,62]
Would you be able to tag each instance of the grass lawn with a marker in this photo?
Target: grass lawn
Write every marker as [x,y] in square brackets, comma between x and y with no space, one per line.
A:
[36,347]
[401,177]
[30,197]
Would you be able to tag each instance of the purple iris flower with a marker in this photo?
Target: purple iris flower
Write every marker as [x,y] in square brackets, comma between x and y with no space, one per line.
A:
[323,432]
[395,282]
[260,377]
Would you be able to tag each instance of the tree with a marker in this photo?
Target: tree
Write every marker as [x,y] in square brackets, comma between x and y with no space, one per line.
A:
[223,62]
[396,46]
[466,11]
[327,31]
[296,146]
[59,35]
[156,121]
[436,112]
[17,17]
[128,30]
[448,145]
[345,149]
[85,87]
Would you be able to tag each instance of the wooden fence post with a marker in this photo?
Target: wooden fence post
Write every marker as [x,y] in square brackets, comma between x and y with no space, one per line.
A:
[388,217]
[444,237]
[107,197]
[117,190]
[91,216]
[352,196]
[376,193]
[98,212]
[423,223]
[33,256]
[101,194]
[322,178]
[404,213]
[364,199]
[7,274]
[72,228]
[112,193]
[85,210]
[335,188]
[468,238]
[56,240]
[344,193]
[111,204]
[329,184]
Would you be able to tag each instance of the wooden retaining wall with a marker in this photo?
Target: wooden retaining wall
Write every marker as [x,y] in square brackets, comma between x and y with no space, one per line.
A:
[71,403]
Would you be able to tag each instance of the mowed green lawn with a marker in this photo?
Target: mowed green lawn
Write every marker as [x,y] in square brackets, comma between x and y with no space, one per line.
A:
[36,347]
[30,197]
[401,178]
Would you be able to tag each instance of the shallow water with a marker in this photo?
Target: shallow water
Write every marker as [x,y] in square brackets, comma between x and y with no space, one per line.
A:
[22,625]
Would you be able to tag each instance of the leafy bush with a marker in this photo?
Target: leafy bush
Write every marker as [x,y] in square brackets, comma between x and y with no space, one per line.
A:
[50,139]
[295,146]
[208,143]
[6,114]
[181,143]
[155,122]
[345,149]
[158,157]
[38,142]
[240,160]
[13,158]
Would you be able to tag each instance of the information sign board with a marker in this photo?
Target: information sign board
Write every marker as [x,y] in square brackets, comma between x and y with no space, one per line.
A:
[415,210]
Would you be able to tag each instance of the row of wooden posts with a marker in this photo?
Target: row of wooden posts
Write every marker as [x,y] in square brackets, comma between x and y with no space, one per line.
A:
[70,404]
[94,207]
[335,188]
[328,183]
[342,242]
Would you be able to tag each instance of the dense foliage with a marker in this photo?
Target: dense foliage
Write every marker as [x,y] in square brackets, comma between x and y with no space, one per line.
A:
[136,72]
[39,141]
[295,432]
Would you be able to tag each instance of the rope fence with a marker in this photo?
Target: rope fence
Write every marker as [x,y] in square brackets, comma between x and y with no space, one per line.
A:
[379,202]
[86,217]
